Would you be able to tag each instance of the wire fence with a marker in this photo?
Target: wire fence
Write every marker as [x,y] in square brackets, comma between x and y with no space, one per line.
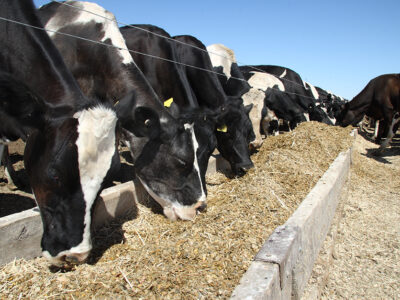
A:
[154,56]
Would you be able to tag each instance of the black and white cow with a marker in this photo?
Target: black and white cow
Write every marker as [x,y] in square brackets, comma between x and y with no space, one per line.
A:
[234,84]
[169,81]
[296,88]
[164,150]
[70,154]
[224,62]
[277,101]
[234,137]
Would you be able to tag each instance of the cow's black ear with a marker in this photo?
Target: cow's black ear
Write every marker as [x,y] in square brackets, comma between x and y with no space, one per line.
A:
[147,123]
[248,108]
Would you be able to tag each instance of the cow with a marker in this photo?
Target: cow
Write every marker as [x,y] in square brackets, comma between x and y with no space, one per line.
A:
[276,99]
[71,150]
[164,150]
[380,100]
[235,84]
[296,89]
[224,62]
[234,137]
[171,85]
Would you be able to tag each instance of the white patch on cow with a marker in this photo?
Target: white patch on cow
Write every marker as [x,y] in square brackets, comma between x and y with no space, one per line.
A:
[376,130]
[313,90]
[111,30]
[283,74]
[196,163]
[256,97]
[222,56]
[263,81]
[307,116]
[96,147]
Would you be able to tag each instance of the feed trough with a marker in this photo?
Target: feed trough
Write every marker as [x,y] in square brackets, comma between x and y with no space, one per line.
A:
[156,258]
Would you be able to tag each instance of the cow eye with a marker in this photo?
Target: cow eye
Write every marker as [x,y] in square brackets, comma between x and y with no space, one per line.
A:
[182,163]
[54,176]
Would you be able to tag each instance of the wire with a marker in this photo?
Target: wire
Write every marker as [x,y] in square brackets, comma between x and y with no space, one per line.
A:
[176,41]
[140,53]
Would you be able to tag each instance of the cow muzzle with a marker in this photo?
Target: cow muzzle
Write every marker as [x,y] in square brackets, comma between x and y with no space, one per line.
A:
[188,213]
[67,259]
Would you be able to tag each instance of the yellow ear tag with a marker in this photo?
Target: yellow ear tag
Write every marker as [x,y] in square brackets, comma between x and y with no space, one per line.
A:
[167,103]
[223,128]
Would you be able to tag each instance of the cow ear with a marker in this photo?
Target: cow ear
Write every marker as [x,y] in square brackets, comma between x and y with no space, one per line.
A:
[248,108]
[147,123]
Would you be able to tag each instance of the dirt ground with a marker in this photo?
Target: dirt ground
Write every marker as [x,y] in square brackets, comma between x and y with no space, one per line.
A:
[361,256]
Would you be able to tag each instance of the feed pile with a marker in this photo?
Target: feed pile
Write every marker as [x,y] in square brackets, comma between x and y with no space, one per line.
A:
[154,258]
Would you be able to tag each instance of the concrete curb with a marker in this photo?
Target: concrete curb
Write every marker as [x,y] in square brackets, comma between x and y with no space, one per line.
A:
[20,233]
[282,267]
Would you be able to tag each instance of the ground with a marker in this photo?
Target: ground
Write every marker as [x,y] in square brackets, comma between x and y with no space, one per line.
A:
[361,256]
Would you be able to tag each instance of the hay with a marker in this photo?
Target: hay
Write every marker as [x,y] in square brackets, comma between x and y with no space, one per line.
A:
[154,258]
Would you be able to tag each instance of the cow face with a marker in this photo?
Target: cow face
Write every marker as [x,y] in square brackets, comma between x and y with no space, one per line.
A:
[347,116]
[165,159]
[67,164]
[234,137]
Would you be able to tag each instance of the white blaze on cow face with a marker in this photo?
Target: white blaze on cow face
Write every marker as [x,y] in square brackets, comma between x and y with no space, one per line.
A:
[222,56]
[264,81]
[96,147]
[91,12]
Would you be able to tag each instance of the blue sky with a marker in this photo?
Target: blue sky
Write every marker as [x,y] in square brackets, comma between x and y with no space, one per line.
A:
[338,45]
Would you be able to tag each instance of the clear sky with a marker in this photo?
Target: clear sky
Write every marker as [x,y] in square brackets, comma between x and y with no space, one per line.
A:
[338,45]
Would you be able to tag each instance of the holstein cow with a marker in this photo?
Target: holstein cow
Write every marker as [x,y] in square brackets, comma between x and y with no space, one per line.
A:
[234,84]
[74,147]
[297,90]
[171,85]
[224,62]
[380,99]
[318,111]
[277,101]
[330,102]
[164,150]
[234,138]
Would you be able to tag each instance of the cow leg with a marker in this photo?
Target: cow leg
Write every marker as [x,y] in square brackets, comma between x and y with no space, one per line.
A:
[375,137]
[390,135]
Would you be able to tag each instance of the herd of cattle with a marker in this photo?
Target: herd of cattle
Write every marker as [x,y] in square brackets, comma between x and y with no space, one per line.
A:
[171,100]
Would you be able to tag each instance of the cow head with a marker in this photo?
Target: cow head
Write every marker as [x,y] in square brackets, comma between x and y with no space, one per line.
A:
[317,113]
[67,164]
[234,134]
[347,116]
[165,158]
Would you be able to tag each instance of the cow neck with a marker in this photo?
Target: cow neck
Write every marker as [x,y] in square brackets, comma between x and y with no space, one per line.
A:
[32,58]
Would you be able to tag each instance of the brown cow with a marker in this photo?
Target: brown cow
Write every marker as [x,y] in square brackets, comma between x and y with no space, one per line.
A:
[380,100]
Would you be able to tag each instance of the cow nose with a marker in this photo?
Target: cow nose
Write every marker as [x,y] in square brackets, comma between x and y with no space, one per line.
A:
[76,258]
[202,208]
[245,168]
